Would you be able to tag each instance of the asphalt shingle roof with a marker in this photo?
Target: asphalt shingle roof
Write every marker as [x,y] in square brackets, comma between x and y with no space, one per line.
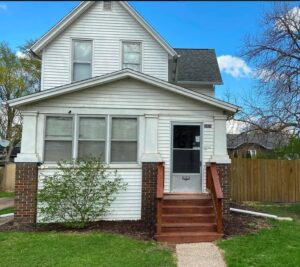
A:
[199,65]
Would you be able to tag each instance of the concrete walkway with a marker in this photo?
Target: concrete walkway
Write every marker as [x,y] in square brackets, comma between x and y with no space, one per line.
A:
[6,202]
[199,255]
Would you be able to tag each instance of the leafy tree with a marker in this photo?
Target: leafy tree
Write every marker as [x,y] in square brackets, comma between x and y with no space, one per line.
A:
[79,192]
[19,75]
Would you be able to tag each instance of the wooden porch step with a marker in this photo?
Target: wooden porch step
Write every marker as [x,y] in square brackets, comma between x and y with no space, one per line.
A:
[188,237]
[166,209]
[188,227]
[187,196]
[188,218]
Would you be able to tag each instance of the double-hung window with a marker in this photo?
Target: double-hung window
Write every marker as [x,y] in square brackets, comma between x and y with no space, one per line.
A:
[81,60]
[132,56]
[123,140]
[92,136]
[58,138]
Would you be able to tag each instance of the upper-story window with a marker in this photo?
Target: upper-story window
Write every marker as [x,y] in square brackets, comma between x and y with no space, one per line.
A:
[107,5]
[81,60]
[132,56]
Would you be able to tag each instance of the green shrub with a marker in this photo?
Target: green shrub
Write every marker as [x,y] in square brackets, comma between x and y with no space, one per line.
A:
[79,192]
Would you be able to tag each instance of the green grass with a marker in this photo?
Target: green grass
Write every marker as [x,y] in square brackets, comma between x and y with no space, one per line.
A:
[276,246]
[7,194]
[283,210]
[7,210]
[80,249]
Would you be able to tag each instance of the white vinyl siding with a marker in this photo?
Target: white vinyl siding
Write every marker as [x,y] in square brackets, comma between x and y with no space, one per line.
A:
[107,30]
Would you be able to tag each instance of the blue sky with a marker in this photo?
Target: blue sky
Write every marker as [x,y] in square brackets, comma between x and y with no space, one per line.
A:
[218,25]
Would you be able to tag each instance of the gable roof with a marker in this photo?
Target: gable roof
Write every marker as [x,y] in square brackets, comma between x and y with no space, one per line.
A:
[118,75]
[197,65]
[265,140]
[79,10]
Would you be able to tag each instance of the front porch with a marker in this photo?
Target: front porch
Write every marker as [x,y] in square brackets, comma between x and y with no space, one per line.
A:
[189,217]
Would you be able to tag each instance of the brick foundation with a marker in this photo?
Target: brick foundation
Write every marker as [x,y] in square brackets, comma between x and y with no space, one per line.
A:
[149,182]
[26,194]
[224,174]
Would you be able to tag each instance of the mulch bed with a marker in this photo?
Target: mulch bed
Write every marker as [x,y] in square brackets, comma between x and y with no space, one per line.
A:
[239,224]
[130,228]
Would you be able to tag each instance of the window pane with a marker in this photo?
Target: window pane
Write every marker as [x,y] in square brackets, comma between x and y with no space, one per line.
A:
[132,67]
[88,149]
[123,151]
[81,71]
[186,161]
[186,136]
[59,127]
[133,58]
[124,129]
[58,150]
[92,128]
[82,51]
[131,47]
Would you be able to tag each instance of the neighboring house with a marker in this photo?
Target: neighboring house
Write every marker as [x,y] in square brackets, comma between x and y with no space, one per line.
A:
[252,143]
[113,87]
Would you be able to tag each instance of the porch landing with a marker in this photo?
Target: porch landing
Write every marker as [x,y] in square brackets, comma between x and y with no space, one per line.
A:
[187,218]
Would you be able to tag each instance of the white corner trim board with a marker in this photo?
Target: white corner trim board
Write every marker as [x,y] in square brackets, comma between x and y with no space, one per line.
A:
[260,214]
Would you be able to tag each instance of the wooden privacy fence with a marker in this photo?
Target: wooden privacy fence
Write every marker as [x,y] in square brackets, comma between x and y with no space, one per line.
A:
[265,180]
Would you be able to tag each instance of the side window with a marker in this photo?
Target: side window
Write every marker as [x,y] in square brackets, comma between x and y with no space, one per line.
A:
[132,56]
[81,60]
[92,136]
[58,139]
[123,140]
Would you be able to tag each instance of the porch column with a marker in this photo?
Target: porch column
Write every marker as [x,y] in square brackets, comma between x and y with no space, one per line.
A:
[29,138]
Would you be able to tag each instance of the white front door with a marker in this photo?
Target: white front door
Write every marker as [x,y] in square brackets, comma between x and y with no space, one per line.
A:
[186,158]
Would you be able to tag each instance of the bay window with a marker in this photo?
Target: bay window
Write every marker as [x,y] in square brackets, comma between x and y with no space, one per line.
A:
[132,56]
[81,60]
[63,141]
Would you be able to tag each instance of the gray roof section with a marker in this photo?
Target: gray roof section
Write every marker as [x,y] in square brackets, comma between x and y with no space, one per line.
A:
[268,140]
[198,65]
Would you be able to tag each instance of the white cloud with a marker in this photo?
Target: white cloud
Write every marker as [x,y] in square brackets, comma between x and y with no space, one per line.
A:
[3,7]
[235,127]
[234,66]
[20,54]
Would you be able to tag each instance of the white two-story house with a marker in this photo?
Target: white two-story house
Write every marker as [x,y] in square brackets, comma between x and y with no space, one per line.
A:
[113,88]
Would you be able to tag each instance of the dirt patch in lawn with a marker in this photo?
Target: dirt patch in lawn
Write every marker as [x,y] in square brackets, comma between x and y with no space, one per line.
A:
[130,228]
[239,224]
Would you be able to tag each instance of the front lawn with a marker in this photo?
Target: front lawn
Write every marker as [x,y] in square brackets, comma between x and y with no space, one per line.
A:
[7,194]
[6,211]
[277,245]
[80,249]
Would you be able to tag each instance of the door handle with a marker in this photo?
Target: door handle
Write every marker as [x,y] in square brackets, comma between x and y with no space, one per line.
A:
[186,178]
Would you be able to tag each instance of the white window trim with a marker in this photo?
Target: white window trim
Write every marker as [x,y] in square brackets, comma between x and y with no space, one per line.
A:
[59,139]
[72,56]
[75,138]
[122,41]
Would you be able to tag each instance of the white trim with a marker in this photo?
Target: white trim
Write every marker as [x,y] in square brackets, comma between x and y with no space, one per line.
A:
[79,10]
[117,76]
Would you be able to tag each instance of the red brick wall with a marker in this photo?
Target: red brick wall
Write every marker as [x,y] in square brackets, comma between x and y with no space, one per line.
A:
[149,181]
[26,194]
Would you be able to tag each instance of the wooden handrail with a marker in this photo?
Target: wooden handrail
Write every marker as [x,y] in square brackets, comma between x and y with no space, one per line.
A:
[160,180]
[159,195]
[214,185]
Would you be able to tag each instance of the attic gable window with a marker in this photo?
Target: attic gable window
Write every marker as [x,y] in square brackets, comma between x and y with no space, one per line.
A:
[132,56]
[81,60]
[107,5]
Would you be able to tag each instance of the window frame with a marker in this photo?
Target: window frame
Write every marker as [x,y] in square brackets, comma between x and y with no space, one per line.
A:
[123,53]
[73,40]
[110,140]
[78,139]
[59,139]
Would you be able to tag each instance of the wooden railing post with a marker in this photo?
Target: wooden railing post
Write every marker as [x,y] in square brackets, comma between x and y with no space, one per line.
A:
[159,195]
[214,185]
